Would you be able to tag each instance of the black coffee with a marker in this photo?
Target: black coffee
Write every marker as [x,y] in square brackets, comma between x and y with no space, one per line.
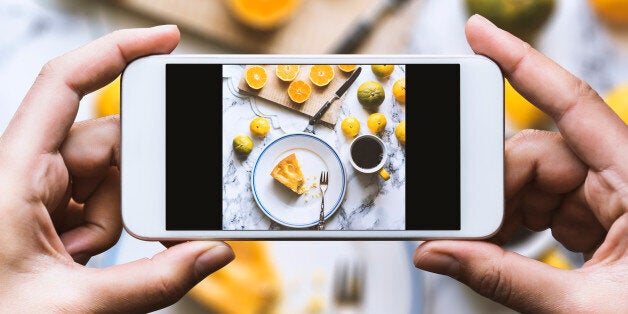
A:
[367,152]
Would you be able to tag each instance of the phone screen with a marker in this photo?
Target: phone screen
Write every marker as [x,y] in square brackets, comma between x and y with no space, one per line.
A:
[240,156]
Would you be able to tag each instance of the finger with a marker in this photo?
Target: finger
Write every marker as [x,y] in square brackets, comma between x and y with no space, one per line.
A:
[544,159]
[575,226]
[50,106]
[68,218]
[91,152]
[149,284]
[539,169]
[518,282]
[90,149]
[103,222]
[590,127]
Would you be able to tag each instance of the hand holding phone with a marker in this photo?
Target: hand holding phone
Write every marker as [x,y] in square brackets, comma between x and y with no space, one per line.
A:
[195,166]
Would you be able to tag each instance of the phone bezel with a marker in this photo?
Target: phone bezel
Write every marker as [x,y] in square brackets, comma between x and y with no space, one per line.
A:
[143,138]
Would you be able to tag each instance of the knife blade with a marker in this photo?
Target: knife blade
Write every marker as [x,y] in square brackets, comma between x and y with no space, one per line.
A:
[343,88]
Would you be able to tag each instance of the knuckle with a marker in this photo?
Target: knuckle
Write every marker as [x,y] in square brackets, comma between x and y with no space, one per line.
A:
[494,285]
[49,68]
[533,137]
[167,290]
[523,138]
[584,90]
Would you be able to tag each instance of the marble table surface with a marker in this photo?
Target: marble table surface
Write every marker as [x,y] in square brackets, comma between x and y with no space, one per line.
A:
[370,203]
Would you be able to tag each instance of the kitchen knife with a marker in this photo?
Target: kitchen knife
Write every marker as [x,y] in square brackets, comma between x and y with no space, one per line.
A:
[343,88]
[363,28]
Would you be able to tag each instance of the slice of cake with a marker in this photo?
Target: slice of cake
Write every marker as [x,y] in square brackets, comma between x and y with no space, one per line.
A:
[288,173]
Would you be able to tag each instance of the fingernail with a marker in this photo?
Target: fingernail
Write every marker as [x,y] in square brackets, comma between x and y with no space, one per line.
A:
[482,20]
[436,262]
[212,260]
[165,27]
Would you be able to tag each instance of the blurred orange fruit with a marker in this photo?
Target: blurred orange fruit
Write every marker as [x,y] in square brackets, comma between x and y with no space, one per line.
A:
[287,72]
[321,74]
[249,284]
[256,77]
[299,91]
[612,11]
[107,99]
[521,113]
[617,99]
[347,67]
[262,15]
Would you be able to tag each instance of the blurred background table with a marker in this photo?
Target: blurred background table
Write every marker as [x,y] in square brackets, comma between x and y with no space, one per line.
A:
[574,36]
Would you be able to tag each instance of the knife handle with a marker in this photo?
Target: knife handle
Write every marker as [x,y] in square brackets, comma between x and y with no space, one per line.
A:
[353,40]
[320,112]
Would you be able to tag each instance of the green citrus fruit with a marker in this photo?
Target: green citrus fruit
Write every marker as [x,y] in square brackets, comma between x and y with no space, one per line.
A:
[242,144]
[371,94]
[522,18]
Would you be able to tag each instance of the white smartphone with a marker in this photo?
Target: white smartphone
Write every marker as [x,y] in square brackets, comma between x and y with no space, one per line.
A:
[312,147]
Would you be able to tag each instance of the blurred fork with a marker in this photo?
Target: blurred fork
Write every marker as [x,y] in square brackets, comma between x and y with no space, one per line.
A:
[323,186]
[348,288]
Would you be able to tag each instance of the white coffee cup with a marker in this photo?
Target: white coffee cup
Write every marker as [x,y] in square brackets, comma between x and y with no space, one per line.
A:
[367,154]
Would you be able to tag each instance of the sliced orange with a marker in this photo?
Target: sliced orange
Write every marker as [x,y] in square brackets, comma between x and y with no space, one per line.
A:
[299,91]
[321,74]
[287,72]
[347,67]
[256,76]
[263,15]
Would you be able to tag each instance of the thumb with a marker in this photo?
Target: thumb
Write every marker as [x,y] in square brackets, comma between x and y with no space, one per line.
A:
[150,284]
[518,282]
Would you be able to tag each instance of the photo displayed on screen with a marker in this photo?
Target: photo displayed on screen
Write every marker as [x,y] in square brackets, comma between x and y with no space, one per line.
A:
[322,147]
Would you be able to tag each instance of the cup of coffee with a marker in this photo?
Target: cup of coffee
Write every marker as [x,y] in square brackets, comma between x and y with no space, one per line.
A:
[367,154]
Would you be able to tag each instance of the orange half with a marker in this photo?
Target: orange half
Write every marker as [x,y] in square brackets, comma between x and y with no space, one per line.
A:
[256,77]
[321,74]
[347,67]
[299,91]
[287,72]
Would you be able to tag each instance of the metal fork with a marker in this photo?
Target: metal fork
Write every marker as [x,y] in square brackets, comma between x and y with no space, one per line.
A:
[348,288]
[323,186]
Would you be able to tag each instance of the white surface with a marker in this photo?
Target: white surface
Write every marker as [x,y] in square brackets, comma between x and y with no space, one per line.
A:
[283,205]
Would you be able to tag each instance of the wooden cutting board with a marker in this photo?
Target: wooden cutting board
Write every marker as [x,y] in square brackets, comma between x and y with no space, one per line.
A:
[276,91]
[317,27]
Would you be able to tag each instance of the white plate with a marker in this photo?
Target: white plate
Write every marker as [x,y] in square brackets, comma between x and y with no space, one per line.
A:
[281,204]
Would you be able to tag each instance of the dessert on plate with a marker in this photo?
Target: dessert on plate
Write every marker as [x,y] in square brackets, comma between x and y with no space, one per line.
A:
[288,172]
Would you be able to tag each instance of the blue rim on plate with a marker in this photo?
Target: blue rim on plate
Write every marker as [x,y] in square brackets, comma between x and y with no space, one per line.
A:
[314,222]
